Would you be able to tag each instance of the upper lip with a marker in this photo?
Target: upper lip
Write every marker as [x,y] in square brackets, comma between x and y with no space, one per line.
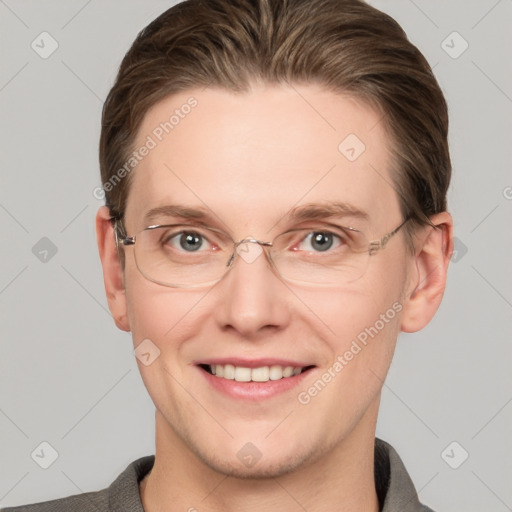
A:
[252,363]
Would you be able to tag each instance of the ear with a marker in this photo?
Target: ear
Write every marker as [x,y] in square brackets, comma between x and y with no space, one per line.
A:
[428,279]
[112,270]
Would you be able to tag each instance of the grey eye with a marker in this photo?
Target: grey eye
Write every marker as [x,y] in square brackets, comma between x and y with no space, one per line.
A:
[321,241]
[190,241]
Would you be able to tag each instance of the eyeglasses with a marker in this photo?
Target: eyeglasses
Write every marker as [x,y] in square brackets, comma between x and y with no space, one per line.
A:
[189,255]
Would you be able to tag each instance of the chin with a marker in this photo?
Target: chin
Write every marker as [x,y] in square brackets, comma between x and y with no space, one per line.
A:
[263,469]
[268,460]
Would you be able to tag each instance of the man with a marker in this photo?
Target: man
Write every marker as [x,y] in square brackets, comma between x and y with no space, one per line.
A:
[275,176]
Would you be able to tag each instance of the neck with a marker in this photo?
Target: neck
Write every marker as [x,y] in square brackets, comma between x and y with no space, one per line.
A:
[341,479]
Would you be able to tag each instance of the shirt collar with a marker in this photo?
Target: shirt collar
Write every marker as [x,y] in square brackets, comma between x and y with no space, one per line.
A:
[395,489]
[394,486]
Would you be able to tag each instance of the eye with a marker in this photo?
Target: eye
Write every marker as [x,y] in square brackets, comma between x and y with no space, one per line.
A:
[320,241]
[189,241]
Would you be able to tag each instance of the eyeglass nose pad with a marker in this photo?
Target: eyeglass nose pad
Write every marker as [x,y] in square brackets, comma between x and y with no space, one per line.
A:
[249,249]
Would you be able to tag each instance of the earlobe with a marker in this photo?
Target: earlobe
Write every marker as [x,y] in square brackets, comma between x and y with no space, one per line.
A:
[428,282]
[112,270]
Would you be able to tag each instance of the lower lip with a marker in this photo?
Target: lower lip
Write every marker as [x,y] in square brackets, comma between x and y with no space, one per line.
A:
[253,390]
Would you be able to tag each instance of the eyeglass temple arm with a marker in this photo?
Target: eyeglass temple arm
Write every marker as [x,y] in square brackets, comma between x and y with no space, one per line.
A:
[376,245]
[125,240]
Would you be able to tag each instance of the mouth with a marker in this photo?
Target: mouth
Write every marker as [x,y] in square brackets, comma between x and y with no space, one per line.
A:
[273,372]
[253,380]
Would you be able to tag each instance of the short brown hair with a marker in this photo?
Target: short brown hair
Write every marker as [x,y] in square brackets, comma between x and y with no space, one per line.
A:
[345,45]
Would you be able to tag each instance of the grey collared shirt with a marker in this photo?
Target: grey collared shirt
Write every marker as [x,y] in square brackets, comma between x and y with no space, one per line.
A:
[395,489]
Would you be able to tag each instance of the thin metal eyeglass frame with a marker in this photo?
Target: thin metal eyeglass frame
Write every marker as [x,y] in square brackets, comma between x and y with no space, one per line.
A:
[373,246]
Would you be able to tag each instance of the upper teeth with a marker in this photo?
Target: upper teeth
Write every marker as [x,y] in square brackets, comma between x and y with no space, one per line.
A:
[262,374]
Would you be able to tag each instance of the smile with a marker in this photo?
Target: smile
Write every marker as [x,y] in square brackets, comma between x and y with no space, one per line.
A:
[260,374]
[253,379]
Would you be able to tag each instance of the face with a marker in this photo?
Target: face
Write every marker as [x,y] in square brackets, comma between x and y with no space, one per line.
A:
[247,162]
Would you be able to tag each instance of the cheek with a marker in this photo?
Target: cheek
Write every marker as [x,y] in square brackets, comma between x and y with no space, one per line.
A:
[368,320]
[342,315]
[366,338]
[165,317]
[154,310]
[360,324]
[172,318]
[358,351]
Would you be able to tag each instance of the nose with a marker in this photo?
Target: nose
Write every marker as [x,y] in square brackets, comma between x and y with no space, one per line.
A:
[247,251]
[251,299]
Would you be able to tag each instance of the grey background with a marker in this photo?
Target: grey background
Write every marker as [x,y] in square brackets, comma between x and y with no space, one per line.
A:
[68,376]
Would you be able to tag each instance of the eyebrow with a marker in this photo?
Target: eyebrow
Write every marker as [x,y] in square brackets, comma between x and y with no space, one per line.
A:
[176,210]
[315,211]
[311,211]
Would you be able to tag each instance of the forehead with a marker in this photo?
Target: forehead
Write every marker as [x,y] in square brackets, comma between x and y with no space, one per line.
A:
[254,156]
